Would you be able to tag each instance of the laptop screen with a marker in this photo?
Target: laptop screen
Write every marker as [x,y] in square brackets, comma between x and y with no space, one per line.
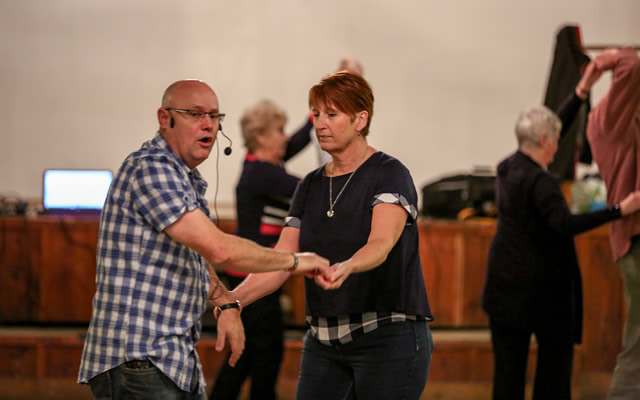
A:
[69,189]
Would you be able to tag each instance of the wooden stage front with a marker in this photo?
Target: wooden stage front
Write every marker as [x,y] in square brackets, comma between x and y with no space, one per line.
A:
[47,274]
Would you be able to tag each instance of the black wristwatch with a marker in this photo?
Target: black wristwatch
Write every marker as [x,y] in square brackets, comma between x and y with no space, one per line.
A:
[223,307]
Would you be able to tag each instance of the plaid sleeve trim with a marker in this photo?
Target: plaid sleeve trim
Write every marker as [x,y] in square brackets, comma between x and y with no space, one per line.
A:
[343,329]
[292,222]
[395,198]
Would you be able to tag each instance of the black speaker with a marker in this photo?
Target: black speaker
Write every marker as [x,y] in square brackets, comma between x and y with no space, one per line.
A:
[446,197]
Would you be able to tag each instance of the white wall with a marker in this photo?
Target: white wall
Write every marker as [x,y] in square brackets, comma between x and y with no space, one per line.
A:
[80,80]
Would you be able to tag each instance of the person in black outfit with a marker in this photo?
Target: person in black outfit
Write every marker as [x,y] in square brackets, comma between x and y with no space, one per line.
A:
[533,283]
[263,194]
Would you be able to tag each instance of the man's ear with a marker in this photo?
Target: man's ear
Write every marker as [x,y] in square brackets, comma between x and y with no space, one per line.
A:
[163,118]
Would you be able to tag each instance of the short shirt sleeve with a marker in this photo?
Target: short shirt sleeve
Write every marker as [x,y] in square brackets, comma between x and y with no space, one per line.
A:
[162,193]
[395,186]
[296,210]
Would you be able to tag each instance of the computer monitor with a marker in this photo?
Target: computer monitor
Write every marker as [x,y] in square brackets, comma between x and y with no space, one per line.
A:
[75,189]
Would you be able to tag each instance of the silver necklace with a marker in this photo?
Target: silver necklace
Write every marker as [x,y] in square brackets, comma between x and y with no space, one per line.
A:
[332,202]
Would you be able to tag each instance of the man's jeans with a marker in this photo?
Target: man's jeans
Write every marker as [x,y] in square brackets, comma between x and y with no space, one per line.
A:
[140,380]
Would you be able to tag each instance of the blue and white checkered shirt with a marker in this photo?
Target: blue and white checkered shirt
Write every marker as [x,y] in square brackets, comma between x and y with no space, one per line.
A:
[150,290]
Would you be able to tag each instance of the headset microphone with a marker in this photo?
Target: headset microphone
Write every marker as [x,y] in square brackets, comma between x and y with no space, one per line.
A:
[227,150]
[172,123]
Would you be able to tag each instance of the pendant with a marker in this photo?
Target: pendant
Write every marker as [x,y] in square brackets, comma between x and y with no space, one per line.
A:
[330,213]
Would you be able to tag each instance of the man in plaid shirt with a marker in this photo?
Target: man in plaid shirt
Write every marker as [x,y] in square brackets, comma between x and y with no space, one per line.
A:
[155,247]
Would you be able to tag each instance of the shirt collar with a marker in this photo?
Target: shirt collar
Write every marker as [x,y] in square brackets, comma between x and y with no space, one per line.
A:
[251,157]
[161,143]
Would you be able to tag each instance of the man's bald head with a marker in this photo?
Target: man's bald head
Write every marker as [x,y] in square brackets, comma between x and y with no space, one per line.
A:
[178,87]
[188,120]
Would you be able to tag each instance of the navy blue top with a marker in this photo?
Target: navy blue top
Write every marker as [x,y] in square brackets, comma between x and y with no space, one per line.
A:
[397,284]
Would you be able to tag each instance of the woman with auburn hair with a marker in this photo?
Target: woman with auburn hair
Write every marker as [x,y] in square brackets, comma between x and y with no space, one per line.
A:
[369,336]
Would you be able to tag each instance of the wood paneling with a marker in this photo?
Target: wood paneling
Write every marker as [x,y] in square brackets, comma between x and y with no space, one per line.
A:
[293,289]
[440,246]
[19,358]
[19,259]
[454,257]
[47,275]
[32,353]
[47,268]
[603,300]
[67,270]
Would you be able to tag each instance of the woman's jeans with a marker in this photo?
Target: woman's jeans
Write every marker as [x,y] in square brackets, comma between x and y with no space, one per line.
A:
[141,380]
[390,362]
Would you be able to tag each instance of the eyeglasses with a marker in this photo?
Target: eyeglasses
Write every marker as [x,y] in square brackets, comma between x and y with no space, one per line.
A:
[197,115]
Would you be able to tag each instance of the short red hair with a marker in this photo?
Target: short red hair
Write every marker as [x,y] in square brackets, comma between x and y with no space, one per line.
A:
[347,92]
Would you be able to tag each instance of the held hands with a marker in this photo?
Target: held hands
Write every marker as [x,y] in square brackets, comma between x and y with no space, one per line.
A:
[316,267]
[311,265]
[591,76]
[603,62]
[630,204]
[606,59]
[339,273]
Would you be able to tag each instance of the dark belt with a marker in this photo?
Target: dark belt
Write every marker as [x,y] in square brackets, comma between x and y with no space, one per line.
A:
[138,364]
